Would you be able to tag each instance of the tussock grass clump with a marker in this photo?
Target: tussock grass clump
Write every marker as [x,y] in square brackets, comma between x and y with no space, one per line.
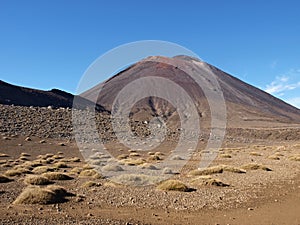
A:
[42,169]
[134,154]
[76,170]
[3,155]
[154,158]
[24,158]
[38,195]
[274,157]
[60,165]
[37,180]
[4,179]
[255,166]
[225,155]
[295,157]
[3,161]
[88,167]
[59,190]
[133,162]
[90,173]
[89,184]
[17,172]
[255,154]
[25,154]
[114,168]
[207,180]
[123,156]
[207,171]
[57,157]
[148,166]
[6,165]
[57,176]
[215,182]
[173,185]
[233,169]
[32,164]
[75,159]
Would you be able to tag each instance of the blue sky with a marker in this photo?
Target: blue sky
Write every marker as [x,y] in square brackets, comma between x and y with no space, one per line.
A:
[47,44]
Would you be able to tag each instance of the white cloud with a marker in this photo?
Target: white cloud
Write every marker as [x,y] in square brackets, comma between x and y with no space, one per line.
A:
[283,83]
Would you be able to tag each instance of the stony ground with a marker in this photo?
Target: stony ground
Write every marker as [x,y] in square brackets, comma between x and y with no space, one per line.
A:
[247,173]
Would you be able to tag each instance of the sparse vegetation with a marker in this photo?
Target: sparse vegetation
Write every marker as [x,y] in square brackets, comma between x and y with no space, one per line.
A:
[42,169]
[38,195]
[173,185]
[295,157]
[111,167]
[17,172]
[90,173]
[90,184]
[36,180]
[255,166]
[207,171]
[57,176]
[255,154]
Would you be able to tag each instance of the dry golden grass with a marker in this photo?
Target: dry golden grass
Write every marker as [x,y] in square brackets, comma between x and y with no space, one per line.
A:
[42,169]
[23,158]
[17,172]
[233,169]
[133,162]
[122,156]
[6,165]
[59,190]
[225,155]
[255,154]
[36,180]
[147,166]
[207,171]
[215,182]
[32,164]
[59,165]
[173,185]
[114,168]
[57,157]
[89,184]
[4,179]
[74,159]
[134,154]
[3,155]
[295,157]
[38,195]
[57,176]
[25,154]
[274,157]
[3,161]
[76,170]
[154,158]
[87,167]
[90,173]
[255,166]
[208,181]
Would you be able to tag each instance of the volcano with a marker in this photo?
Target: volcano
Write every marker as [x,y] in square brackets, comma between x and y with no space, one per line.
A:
[246,105]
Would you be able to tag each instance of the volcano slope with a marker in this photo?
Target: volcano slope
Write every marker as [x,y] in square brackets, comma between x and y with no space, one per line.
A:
[254,178]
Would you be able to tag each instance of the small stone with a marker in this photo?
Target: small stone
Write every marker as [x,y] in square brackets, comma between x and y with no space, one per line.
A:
[28,139]
[250,209]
